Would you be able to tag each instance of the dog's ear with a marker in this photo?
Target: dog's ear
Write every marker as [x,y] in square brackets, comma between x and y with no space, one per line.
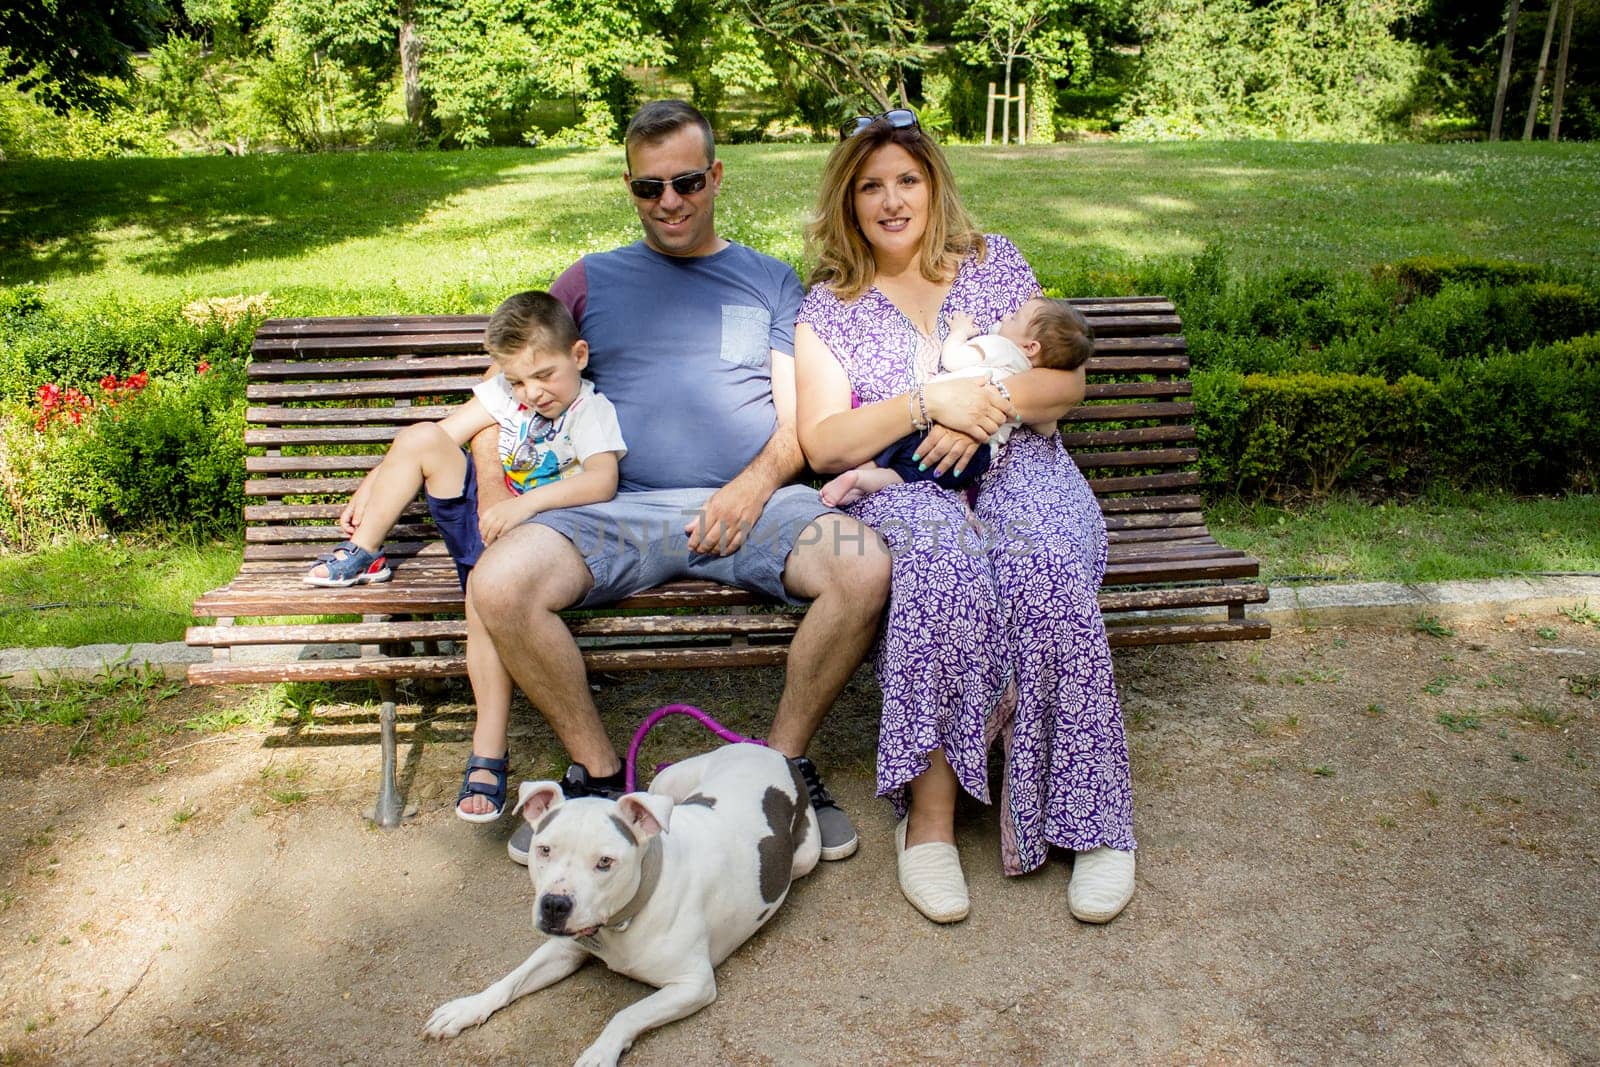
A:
[646,813]
[536,799]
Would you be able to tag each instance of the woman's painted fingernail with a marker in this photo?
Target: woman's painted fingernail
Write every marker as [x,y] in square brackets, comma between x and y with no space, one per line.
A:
[922,466]
[916,458]
[958,472]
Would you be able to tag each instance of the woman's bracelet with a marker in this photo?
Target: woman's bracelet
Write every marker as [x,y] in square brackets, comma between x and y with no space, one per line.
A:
[1005,394]
[919,409]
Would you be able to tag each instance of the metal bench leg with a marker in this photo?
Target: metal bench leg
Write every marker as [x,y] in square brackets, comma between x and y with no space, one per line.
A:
[389,810]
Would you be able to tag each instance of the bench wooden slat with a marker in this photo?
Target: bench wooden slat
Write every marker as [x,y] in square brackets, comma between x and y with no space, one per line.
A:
[355,633]
[309,464]
[300,486]
[1123,390]
[372,325]
[1181,409]
[353,389]
[1162,520]
[1167,457]
[1106,326]
[1158,533]
[1133,635]
[429,343]
[319,417]
[1137,435]
[1117,346]
[325,535]
[1188,596]
[321,435]
[1142,505]
[283,512]
[1148,573]
[275,370]
[1176,480]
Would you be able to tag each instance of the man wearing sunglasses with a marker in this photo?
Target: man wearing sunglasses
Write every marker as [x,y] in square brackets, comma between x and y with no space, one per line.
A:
[692,338]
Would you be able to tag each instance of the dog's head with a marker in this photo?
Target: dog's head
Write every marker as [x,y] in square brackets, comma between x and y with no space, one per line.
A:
[588,856]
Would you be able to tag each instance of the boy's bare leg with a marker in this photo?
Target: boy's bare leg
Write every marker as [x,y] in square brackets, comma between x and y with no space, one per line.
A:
[491,692]
[518,586]
[852,485]
[422,454]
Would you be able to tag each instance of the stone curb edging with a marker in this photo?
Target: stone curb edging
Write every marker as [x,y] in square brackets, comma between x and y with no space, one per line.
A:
[1366,602]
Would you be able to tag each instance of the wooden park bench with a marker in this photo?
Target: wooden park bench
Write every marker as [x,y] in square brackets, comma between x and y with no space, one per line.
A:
[327,395]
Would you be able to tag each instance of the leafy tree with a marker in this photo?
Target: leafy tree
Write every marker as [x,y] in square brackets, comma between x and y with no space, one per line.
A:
[1034,32]
[855,49]
[485,61]
[64,51]
[1283,68]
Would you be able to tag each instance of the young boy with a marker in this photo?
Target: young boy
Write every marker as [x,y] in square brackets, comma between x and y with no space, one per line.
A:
[559,445]
[1041,333]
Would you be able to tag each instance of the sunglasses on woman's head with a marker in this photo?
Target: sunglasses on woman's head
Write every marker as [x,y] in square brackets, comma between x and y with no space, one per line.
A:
[901,118]
[654,188]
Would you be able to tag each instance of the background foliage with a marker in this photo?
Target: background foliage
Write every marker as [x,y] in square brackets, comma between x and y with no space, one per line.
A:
[238,76]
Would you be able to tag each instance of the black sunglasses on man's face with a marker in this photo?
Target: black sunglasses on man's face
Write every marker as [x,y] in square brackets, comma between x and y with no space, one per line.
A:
[654,188]
[898,119]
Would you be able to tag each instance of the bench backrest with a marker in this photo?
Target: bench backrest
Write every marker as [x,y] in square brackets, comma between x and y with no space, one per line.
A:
[327,395]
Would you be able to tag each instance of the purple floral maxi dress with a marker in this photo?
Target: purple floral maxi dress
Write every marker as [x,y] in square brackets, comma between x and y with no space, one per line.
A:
[972,611]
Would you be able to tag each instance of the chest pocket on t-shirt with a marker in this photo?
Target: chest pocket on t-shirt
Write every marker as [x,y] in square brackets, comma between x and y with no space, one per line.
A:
[746,336]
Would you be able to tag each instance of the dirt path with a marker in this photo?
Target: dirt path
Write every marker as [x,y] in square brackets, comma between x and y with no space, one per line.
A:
[1356,844]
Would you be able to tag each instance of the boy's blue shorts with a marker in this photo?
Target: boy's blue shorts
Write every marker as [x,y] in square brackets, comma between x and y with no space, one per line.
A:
[457,519]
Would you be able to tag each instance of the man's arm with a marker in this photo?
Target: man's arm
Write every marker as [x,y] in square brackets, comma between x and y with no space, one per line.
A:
[731,512]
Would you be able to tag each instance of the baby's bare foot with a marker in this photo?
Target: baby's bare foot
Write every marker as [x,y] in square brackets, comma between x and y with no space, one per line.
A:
[843,491]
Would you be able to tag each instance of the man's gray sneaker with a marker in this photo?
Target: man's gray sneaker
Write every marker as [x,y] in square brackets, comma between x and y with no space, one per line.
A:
[575,783]
[838,836]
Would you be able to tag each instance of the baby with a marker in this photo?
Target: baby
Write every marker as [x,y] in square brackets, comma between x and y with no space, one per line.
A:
[1041,333]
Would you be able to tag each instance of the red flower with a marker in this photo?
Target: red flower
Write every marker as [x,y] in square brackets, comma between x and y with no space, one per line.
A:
[109,382]
[203,367]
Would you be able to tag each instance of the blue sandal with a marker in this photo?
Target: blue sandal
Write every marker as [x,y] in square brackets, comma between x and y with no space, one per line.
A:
[350,564]
[496,792]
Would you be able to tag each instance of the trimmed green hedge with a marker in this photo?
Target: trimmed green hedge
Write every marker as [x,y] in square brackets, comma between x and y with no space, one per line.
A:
[1522,421]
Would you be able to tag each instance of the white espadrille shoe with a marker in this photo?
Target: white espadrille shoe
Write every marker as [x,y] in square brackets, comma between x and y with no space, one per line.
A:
[1101,885]
[931,878]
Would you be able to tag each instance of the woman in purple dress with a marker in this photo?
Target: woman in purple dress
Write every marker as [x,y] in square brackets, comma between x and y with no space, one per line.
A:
[993,628]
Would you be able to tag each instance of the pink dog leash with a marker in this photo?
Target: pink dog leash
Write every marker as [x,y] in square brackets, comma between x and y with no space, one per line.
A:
[631,766]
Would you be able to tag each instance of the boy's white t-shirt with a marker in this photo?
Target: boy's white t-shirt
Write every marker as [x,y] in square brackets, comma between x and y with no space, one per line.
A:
[535,450]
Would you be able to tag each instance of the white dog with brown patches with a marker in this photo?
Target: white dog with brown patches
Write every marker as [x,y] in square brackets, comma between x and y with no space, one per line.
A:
[661,886]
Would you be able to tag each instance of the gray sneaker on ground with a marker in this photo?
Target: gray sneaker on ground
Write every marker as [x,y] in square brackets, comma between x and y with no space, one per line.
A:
[575,783]
[839,838]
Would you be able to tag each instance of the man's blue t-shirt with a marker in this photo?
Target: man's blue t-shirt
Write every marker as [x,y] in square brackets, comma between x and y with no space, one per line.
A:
[681,346]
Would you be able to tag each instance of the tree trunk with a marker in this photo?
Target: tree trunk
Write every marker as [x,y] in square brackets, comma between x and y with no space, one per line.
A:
[1544,62]
[411,66]
[1561,73]
[1505,70]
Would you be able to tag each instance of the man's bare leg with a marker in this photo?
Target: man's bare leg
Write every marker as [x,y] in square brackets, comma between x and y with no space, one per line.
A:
[517,588]
[845,573]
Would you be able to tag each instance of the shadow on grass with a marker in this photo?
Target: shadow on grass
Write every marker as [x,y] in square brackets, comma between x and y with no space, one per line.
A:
[57,217]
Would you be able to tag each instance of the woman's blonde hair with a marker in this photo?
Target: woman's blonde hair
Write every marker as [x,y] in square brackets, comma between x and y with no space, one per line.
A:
[844,258]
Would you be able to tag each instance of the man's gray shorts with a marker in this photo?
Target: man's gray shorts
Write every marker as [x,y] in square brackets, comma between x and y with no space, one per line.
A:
[636,541]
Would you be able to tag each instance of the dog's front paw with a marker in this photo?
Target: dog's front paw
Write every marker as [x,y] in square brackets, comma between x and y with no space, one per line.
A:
[450,1019]
[600,1054]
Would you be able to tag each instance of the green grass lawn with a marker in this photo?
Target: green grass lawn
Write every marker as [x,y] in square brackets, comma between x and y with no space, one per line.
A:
[399,231]
[90,592]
